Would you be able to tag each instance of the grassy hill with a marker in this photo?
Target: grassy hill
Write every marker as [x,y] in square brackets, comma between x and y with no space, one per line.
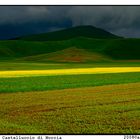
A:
[80,31]
[71,54]
[78,44]
[117,49]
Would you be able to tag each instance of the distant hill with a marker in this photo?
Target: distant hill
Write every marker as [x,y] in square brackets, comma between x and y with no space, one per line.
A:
[79,31]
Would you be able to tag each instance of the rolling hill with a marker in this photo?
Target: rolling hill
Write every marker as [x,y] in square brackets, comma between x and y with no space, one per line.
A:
[78,44]
[115,49]
[72,54]
[79,31]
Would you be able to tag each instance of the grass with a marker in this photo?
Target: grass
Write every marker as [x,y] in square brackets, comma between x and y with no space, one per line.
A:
[107,109]
[43,83]
[116,49]
[69,104]
[14,65]
[71,54]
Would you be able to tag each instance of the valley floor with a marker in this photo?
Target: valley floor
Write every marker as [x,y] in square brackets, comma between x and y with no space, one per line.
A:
[92,110]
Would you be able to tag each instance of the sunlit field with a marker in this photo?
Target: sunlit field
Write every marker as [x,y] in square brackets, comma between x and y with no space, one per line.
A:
[69,100]
[76,71]
[94,98]
[45,83]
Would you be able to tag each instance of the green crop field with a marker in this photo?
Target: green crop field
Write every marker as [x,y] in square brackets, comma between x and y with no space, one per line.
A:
[42,83]
[25,65]
[94,110]
[70,104]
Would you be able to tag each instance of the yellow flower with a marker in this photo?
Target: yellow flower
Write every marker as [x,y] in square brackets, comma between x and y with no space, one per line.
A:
[26,73]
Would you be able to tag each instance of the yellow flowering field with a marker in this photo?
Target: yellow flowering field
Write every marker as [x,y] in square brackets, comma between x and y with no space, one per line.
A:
[24,73]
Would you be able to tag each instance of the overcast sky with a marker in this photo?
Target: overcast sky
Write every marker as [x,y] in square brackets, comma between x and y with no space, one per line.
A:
[22,20]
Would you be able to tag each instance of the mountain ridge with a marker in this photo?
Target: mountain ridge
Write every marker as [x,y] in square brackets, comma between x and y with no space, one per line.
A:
[68,33]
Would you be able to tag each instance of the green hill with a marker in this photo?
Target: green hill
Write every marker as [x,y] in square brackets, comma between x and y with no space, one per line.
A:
[72,54]
[79,31]
[77,44]
[114,49]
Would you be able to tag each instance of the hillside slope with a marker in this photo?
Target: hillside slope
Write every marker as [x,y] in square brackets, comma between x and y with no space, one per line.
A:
[116,49]
[71,54]
[79,31]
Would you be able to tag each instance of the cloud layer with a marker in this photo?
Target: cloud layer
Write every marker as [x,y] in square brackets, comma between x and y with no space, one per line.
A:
[21,20]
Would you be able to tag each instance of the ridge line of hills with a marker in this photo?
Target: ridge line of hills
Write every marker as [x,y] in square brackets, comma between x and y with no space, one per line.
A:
[64,34]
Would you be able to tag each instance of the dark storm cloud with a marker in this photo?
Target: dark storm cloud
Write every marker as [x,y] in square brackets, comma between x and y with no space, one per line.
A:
[123,20]
[20,20]
[26,14]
